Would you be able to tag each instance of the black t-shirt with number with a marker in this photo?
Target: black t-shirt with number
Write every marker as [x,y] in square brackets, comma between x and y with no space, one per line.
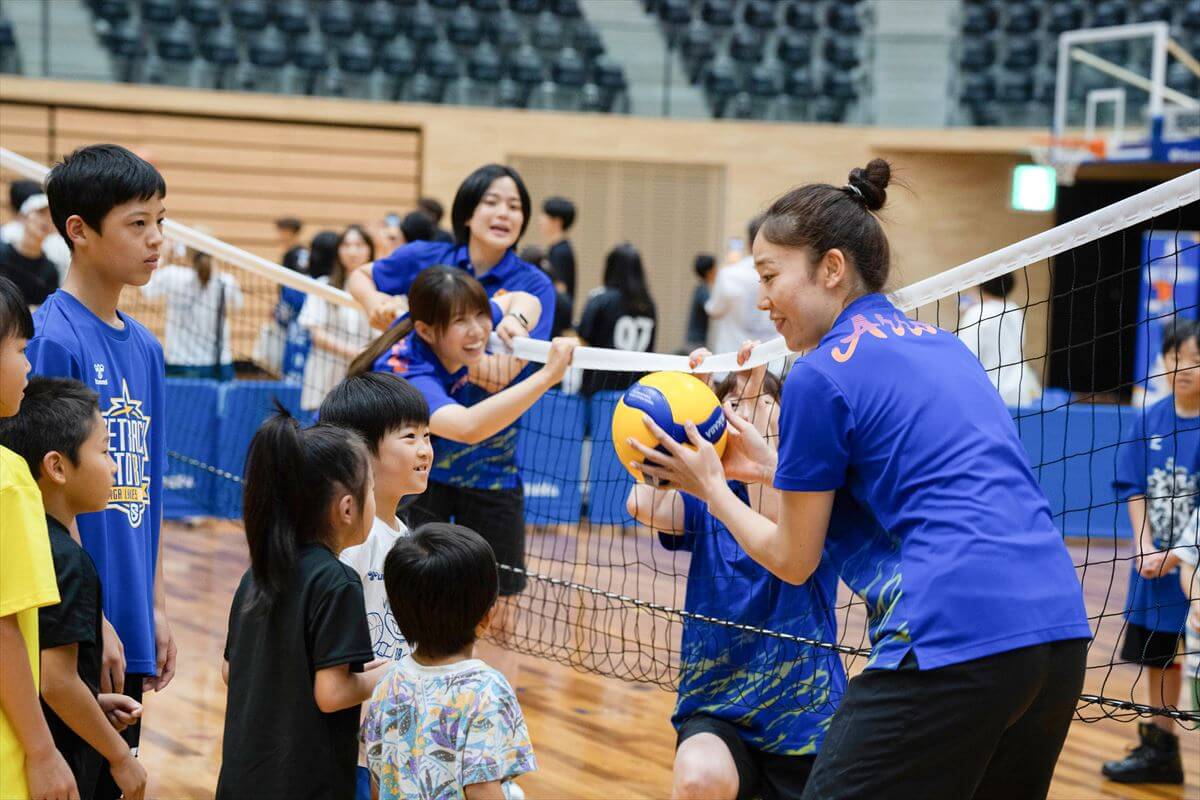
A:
[606,322]
[278,743]
[561,257]
[75,620]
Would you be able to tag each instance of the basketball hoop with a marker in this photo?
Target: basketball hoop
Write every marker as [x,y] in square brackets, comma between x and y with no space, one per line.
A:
[1066,153]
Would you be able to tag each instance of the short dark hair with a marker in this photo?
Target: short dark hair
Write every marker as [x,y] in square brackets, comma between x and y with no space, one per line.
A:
[999,286]
[57,415]
[20,191]
[561,209]
[441,581]
[432,208]
[292,224]
[372,404]
[417,226]
[532,254]
[752,229]
[93,180]
[471,191]
[704,264]
[15,319]
[1178,333]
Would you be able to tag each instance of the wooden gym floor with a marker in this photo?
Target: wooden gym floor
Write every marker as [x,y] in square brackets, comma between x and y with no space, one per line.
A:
[594,737]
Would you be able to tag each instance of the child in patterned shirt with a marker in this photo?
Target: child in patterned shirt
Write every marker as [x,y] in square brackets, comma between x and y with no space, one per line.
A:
[442,724]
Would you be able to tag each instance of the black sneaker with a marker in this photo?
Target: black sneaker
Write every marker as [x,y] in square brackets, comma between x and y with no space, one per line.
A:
[1155,760]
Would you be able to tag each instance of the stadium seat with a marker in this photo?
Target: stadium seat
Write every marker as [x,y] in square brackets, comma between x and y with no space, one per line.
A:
[176,50]
[721,84]
[1064,16]
[794,49]
[841,53]
[977,89]
[510,94]
[1190,18]
[1108,13]
[1153,11]
[977,55]
[591,99]
[485,65]
[610,80]
[588,43]
[746,46]
[759,14]
[267,56]
[798,84]
[112,11]
[1116,51]
[379,21]
[310,57]
[441,62]
[717,13]
[763,86]
[526,67]
[1021,54]
[675,13]
[128,47]
[248,15]
[547,33]
[291,16]
[697,47]
[219,53]
[487,6]
[843,19]
[800,16]
[568,69]
[10,58]
[356,57]
[445,5]
[528,8]
[422,27]
[336,18]
[1182,79]
[1015,89]
[978,19]
[568,10]
[159,12]
[1020,18]
[464,28]
[504,31]
[839,86]
[202,13]
[398,62]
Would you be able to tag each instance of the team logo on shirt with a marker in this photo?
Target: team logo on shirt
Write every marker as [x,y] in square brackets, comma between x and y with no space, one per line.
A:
[100,379]
[897,325]
[129,445]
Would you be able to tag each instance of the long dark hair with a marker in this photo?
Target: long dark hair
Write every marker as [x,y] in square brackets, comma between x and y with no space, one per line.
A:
[322,254]
[292,477]
[337,278]
[820,217]
[623,271]
[437,295]
[471,192]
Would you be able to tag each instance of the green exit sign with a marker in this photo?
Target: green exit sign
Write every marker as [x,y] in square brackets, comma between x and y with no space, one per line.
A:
[1034,188]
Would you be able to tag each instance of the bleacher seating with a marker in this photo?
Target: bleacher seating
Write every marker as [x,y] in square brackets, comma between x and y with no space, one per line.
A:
[482,52]
[1009,48]
[765,59]
[10,58]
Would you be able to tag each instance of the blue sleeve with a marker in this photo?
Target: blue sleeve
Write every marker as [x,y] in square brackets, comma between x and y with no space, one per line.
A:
[695,521]
[497,312]
[51,359]
[394,273]
[815,429]
[158,440]
[434,392]
[1130,478]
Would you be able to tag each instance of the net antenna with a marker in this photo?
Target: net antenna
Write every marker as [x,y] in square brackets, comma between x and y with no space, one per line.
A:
[1163,128]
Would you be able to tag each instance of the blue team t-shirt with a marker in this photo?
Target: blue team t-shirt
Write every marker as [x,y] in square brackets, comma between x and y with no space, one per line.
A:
[1160,460]
[454,463]
[491,464]
[964,560]
[780,694]
[125,367]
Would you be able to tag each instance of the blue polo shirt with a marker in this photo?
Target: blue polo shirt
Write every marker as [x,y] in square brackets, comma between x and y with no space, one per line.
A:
[1160,460]
[125,367]
[483,465]
[964,560]
[779,693]
[491,464]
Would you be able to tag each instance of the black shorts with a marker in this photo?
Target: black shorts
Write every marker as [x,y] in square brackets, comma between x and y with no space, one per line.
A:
[1148,647]
[769,776]
[498,515]
[106,787]
[988,728]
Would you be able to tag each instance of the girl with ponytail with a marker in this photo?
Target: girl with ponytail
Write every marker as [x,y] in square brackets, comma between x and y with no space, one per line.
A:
[298,658]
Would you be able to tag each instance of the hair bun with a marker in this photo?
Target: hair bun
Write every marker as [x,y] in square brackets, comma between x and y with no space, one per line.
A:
[872,182]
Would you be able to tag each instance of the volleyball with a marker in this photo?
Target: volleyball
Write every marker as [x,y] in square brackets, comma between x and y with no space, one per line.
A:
[670,399]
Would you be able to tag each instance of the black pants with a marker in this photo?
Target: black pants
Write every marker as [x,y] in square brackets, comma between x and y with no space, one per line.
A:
[498,515]
[989,728]
[106,787]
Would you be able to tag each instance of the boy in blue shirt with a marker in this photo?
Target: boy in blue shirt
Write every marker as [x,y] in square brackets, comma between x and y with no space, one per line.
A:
[1158,475]
[108,205]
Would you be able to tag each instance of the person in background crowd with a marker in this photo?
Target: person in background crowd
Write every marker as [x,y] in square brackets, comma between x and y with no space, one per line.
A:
[417,227]
[434,210]
[994,330]
[295,255]
[53,246]
[557,217]
[562,301]
[732,306]
[620,315]
[697,328]
[322,254]
[23,261]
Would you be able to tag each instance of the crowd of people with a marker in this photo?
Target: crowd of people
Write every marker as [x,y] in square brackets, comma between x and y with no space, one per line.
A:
[352,660]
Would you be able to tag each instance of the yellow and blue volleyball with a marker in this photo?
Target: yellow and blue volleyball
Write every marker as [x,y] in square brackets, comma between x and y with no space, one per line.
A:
[671,399]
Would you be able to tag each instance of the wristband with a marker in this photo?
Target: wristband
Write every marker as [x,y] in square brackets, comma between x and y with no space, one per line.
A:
[520,318]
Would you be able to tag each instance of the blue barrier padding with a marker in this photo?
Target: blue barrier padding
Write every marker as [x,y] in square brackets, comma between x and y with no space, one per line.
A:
[191,421]
[608,482]
[244,406]
[549,450]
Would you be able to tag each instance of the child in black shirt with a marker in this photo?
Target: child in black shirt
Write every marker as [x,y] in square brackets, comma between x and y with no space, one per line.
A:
[298,638]
[61,435]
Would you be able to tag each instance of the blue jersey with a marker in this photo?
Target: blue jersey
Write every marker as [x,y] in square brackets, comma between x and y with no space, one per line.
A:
[964,560]
[491,464]
[125,367]
[1160,460]
[485,465]
[780,694]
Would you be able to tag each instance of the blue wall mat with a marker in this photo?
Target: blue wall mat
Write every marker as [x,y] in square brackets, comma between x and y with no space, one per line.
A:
[549,449]
[191,425]
[244,405]
[608,481]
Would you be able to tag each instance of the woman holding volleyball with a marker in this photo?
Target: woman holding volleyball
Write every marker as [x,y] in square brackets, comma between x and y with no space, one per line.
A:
[976,618]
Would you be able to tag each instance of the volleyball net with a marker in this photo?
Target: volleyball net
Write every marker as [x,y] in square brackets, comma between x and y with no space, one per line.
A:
[1068,324]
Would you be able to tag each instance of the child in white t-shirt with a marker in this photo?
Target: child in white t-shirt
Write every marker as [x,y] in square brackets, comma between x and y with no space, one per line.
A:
[393,419]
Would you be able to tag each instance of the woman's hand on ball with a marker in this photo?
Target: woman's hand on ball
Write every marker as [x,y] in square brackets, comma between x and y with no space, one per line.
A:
[748,458]
[558,360]
[694,469]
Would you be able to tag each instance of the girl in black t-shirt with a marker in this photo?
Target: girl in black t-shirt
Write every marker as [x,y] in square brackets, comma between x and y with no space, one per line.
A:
[620,316]
[298,638]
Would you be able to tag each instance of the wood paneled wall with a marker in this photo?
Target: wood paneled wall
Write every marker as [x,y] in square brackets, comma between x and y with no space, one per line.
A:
[234,161]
